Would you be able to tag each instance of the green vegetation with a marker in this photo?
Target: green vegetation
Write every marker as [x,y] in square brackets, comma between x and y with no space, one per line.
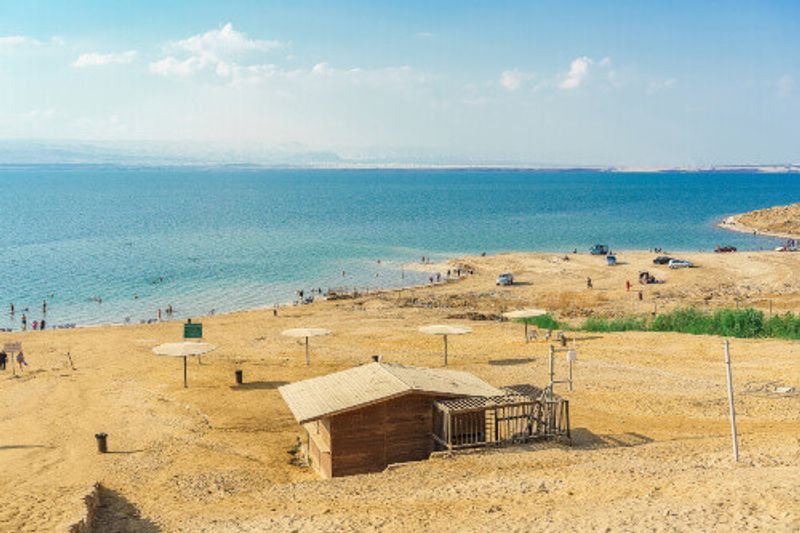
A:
[742,323]
[542,322]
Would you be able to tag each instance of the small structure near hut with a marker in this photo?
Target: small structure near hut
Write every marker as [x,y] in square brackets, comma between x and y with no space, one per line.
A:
[365,418]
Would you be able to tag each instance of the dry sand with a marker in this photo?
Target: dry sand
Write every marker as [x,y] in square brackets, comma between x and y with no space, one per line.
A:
[649,414]
[779,221]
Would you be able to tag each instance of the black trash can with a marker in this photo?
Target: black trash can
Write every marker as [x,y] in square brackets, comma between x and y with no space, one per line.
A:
[102,442]
[239,378]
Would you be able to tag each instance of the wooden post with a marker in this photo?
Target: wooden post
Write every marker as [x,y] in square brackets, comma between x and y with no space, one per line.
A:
[445,349]
[185,375]
[526,329]
[730,401]
[308,362]
[552,371]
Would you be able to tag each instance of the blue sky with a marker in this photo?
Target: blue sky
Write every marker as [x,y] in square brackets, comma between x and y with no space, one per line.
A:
[611,83]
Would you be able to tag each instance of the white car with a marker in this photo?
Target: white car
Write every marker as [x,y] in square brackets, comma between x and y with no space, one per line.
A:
[506,278]
[680,263]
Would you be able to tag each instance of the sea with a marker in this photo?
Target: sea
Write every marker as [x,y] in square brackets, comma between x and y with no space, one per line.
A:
[107,244]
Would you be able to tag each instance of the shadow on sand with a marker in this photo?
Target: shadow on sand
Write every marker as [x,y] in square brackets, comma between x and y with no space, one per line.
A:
[583,439]
[22,446]
[115,513]
[511,362]
[259,385]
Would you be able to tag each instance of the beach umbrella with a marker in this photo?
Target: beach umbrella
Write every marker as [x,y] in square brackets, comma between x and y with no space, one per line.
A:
[445,331]
[185,350]
[523,314]
[306,333]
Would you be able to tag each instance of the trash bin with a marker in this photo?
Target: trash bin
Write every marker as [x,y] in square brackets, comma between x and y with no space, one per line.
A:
[239,377]
[102,442]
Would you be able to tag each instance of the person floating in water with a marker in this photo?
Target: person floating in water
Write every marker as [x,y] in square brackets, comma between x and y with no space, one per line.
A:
[24,322]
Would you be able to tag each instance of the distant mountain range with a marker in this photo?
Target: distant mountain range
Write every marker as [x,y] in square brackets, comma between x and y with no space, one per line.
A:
[158,153]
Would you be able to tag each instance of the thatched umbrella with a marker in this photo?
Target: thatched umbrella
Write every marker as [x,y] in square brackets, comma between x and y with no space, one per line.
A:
[444,331]
[185,350]
[523,314]
[306,333]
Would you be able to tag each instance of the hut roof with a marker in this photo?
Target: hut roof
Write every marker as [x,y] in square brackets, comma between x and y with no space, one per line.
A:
[336,393]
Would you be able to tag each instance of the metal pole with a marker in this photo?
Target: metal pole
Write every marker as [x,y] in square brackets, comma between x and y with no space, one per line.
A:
[185,375]
[308,361]
[445,349]
[570,375]
[730,401]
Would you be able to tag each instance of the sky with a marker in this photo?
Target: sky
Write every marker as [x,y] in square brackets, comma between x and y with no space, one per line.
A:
[625,83]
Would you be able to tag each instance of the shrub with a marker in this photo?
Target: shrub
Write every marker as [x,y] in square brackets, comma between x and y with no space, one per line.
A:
[542,322]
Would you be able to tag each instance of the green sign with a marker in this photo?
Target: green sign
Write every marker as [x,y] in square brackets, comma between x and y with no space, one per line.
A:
[193,331]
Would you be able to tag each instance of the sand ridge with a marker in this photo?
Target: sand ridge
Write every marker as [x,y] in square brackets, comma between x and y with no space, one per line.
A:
[651,450]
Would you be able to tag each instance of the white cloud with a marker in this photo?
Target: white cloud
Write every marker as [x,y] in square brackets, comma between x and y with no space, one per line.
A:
[222,52]
[784,86]
[95,59]
[578,70]
[18,40]
[511,80]
[423,35]
[655,86]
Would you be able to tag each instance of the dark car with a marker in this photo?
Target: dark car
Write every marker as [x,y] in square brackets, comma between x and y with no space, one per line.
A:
[662,260]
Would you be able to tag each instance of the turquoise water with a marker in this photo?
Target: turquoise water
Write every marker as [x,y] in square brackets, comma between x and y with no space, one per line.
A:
[226,239]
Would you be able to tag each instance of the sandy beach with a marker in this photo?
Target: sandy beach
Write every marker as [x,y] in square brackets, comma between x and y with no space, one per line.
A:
[651,443]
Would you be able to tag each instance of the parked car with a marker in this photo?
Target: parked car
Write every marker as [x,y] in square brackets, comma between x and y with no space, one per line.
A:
[506,278]
[680,263]
[599,249]
[662,260]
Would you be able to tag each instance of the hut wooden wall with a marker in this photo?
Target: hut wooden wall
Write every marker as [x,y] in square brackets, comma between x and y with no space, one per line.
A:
[375,436]
[319,446]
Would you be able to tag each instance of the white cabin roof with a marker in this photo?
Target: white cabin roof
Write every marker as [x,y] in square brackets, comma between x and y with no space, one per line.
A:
[349,389]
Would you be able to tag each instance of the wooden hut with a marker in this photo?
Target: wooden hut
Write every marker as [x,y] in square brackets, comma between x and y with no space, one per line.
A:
[365,418]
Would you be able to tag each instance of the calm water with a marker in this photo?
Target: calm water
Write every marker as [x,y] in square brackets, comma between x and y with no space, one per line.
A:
[228,239]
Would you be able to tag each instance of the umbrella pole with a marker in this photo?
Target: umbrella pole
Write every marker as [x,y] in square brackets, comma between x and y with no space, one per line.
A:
[307,359]
[185,380]
[445,349]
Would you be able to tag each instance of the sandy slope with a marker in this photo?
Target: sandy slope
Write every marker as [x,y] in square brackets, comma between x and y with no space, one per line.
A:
[651,448]
[779,221]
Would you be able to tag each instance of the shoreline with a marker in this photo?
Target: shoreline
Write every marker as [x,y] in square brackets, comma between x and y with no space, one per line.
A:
[439,265]
[732,223]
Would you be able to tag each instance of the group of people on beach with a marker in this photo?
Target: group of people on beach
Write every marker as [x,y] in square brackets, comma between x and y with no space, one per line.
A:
[20,361]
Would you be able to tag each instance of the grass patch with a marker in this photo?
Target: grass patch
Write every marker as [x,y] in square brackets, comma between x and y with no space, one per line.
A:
[541,322]
[739,323]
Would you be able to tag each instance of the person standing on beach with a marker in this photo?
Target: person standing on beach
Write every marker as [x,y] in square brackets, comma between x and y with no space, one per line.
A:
[3,360]
[21,361]
[41,325]
[588,283]
[158,314]
[628,286]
